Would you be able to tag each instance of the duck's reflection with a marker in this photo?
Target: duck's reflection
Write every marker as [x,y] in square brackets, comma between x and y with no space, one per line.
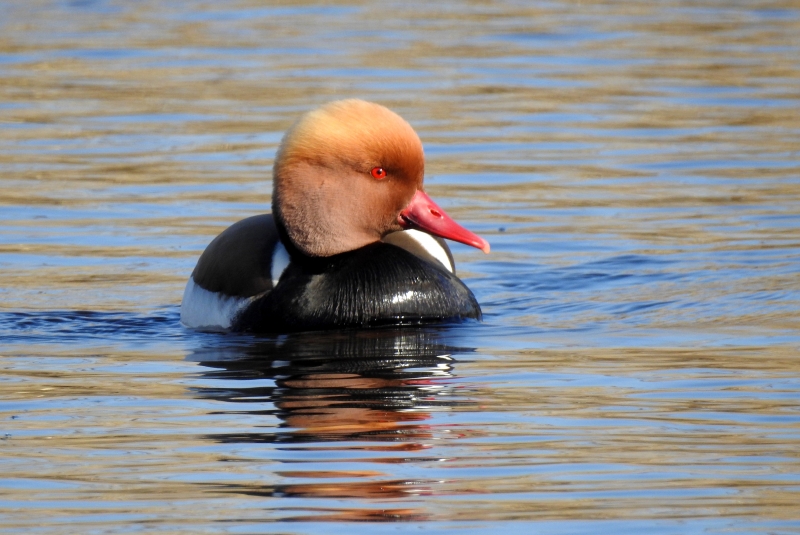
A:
[372,389]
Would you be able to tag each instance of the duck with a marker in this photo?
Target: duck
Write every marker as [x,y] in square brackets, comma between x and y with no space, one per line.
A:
[353,239]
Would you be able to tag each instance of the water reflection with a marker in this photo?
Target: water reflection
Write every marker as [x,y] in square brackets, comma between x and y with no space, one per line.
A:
[373,390]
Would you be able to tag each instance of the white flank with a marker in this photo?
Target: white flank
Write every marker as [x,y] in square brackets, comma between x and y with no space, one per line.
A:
[201,309]
[431,246]
[280,261]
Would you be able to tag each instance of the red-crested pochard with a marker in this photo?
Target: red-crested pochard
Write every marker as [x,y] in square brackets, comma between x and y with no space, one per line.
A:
[352,240]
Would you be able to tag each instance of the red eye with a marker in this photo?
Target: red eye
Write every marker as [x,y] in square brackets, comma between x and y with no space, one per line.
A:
[378,173]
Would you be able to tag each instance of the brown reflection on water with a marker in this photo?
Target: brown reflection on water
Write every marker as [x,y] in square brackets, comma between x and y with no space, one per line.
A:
[370,390]
[379,427]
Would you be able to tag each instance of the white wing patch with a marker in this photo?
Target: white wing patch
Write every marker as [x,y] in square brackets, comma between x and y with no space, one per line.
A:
[213,311]
[280,261]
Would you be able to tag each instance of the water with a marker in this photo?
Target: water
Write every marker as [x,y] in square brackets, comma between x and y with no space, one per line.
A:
[634,165]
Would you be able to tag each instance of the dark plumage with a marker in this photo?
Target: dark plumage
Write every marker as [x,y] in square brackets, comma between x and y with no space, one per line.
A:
[376,285]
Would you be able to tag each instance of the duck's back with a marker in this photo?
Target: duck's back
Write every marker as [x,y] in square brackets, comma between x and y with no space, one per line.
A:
[234,270]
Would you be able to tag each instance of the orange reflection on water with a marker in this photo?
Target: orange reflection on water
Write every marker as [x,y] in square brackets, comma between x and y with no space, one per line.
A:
[335,415]
[373,392]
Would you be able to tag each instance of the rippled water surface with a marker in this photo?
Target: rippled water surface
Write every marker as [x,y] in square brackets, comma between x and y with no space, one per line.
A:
[635,165]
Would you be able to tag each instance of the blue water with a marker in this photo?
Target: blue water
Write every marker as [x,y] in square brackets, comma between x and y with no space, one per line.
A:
[634,166]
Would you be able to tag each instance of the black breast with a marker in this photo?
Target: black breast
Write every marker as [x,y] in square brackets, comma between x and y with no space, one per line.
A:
[376,285]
